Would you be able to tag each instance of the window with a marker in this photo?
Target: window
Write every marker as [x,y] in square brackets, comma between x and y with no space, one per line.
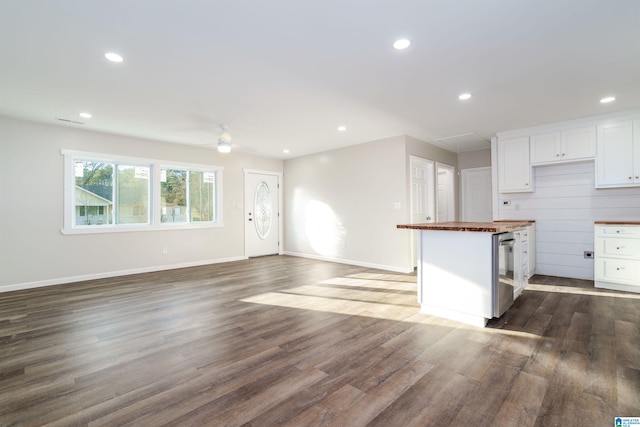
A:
[109,193]
[187,196]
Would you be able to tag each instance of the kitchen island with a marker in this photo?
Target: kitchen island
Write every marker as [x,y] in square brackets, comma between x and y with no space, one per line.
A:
[459,266]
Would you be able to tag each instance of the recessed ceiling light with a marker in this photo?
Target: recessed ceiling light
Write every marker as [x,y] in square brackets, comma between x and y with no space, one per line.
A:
[402,44]
[464,96]
[85,115]
[607,99]
[342,128]
[285,151]
[113,57]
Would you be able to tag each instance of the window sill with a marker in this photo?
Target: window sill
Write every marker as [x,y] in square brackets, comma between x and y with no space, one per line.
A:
[137,228]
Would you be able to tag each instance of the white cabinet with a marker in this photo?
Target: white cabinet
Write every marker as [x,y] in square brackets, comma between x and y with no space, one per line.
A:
[514,169]
[545,148]
[617,257]
[618,154]
[521,261]
[566,146]
[531,250]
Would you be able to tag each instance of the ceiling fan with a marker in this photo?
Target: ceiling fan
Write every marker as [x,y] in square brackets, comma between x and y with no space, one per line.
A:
[224,140]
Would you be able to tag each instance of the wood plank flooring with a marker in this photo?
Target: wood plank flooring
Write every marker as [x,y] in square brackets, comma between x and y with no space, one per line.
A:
[284,341]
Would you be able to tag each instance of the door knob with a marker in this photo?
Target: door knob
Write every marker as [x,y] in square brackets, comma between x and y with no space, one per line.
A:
[428,218]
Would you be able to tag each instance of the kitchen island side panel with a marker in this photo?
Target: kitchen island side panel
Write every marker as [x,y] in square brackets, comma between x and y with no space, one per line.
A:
[456,274]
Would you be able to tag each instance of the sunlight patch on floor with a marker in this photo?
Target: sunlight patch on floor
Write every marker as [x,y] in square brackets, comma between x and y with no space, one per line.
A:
[372,284]
[334,304]
[385,277]
[580,291]
[407,300]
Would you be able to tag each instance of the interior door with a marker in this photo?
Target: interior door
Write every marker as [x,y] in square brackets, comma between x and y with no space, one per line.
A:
[261,214]
[446,197]
[477,203]
[422,197]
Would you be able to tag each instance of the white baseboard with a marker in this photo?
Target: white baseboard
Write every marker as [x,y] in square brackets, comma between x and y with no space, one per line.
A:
[351,262]
[63,280]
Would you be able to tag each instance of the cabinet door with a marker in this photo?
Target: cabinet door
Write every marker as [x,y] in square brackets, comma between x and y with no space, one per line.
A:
[636,151]
[614,162]
[578,144]
[618,248]
[622,271]
[545,148]
[531,235]
[514,169]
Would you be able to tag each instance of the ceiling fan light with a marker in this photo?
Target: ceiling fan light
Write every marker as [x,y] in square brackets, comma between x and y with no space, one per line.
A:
[223,146]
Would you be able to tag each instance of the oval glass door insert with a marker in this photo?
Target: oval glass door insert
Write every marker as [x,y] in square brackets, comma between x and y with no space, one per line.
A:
[263,210]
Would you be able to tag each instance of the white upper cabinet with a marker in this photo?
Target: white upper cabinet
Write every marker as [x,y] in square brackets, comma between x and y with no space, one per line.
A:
[565,146]
[618,159]
[514,168]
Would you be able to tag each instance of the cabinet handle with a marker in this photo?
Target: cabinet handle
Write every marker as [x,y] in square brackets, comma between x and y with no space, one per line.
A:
[619,268]
[630,177]
[526,183]
[617,231]
[557,155]
[620,247]
[563,154]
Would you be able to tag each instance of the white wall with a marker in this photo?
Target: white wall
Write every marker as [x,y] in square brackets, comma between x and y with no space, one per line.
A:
[565,205]
[339,205]
[34,252]
[474,159]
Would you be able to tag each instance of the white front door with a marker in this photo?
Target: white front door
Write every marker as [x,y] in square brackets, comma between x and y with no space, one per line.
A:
[422,197]
[476,195]
[261,205]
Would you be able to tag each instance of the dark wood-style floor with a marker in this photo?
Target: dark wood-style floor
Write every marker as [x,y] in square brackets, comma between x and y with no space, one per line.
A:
[289,341]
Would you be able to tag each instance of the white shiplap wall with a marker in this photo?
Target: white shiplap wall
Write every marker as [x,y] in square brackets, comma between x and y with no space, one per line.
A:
[565,205]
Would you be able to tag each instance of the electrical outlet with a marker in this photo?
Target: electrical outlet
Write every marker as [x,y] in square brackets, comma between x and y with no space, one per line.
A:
[165,250]
[588,254]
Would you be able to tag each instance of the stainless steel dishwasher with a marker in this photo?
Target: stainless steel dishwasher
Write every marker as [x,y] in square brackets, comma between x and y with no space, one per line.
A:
[503,288]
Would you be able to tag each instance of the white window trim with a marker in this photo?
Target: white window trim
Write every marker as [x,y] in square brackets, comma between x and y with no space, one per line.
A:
[156,165]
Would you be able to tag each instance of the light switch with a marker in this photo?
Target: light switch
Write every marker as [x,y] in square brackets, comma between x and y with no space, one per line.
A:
[396,205]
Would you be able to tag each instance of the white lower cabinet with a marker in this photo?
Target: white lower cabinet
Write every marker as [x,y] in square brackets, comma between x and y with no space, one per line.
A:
[531,249]
[521,260]
[617,256]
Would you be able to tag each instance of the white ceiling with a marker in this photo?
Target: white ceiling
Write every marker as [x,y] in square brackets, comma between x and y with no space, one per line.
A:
[284,74]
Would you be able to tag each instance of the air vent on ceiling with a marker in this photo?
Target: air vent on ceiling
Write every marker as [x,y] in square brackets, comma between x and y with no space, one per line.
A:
[75,122]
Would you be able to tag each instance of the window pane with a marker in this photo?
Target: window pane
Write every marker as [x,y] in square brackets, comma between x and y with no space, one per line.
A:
[201,204]
[173,194]
[93,201]
[133,195]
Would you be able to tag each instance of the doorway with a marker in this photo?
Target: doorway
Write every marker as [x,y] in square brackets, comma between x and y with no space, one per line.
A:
[422,197]
[446,198]
[476,198]
[262,198]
